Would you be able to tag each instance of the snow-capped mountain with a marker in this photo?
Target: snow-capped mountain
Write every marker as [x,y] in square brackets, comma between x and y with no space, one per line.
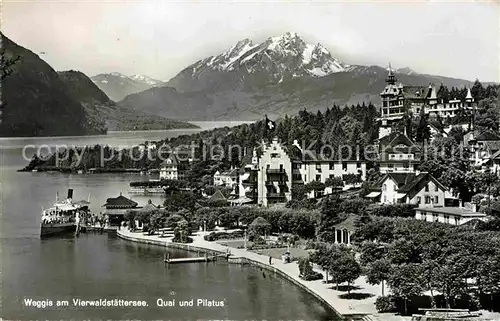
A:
[146,80]
[278,76]
[283,57]
[117,85]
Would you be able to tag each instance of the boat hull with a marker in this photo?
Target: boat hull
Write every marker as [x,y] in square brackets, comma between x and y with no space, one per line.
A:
[48,230]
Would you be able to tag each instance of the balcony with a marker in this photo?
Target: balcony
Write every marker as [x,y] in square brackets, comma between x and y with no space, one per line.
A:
[279,182]
[275,171]
[276,195]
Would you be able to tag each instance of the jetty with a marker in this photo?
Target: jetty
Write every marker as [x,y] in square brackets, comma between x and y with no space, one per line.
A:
[196,259]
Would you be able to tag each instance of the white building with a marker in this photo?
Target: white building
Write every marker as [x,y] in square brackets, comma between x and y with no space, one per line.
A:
[396,98]
[421,189]
[280,168]
[449,215]
[247,181]
[175,166]
[398,154]
[274,177]
[484,148]
[226,178]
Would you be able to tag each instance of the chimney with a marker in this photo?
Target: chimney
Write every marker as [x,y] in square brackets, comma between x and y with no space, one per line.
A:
[70,193]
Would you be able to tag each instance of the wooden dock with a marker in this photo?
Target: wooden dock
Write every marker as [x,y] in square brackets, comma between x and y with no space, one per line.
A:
[197,259]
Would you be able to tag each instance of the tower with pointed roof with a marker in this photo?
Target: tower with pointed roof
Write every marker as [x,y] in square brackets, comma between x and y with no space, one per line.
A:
[397,98]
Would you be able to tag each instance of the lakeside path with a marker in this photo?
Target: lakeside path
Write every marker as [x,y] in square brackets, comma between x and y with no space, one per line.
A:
[361,308]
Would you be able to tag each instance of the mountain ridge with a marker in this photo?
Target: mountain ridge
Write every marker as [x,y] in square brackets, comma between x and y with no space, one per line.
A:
[117,85]
[278,76]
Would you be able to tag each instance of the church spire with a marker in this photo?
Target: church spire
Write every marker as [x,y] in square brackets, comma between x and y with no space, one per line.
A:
[391,79]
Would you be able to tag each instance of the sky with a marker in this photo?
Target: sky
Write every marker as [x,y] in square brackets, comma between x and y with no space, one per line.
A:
[159,38]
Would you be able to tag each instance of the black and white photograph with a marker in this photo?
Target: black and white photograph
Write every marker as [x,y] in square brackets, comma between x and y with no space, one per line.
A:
[250,160]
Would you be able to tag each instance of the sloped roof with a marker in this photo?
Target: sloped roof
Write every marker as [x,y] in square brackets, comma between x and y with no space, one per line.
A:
[493,145]
[218,196]
[120,202]
[260,221]
[348,223]
[487,135]
[415,92]
[231,172]
[408,181]
[395,139]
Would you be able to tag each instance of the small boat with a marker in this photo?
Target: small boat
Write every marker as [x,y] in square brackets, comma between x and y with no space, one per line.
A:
[63,217]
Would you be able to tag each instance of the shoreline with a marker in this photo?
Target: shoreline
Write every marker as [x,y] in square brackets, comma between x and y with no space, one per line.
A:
[288,271]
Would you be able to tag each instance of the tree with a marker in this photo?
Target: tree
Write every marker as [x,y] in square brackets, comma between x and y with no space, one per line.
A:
[371,252]
[317,187]
[328,218]
[6,64]
[344,268]
[406,281]
[423,131]
[477,91]
[334,182]
[180,200]
[378,272]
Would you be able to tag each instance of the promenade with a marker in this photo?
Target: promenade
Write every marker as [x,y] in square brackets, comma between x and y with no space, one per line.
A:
[361,307]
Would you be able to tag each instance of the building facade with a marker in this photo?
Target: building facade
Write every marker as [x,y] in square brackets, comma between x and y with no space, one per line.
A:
[398,154]
[226,178]
[449,215]
[281,167]
[175,166]
[421,189]
[274,177]
[398,98]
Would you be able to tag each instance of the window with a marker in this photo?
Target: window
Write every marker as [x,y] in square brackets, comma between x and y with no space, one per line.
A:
[426,188]
[419,199]
[344,166]
[358,165]
[427,200]
[332,166]
[436,189]
[318,167]
[436,199]
[318,178]
[268,166]
[384,187]
[406,166]
[275,155]
[281,167]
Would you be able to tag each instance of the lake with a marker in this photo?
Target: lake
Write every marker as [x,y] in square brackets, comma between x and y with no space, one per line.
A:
[96,266]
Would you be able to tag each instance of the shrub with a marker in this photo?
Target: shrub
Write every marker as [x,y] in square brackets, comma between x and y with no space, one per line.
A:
[214,236]
[385,304]
[306,271]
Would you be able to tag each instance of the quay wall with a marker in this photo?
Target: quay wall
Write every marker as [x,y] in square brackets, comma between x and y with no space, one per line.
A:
[243,260]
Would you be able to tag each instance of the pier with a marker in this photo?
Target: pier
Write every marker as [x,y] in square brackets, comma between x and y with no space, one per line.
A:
[196,259]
